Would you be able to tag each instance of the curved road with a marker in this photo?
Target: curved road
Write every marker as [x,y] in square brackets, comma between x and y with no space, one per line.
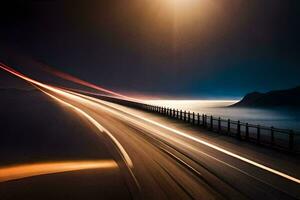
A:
[159,160]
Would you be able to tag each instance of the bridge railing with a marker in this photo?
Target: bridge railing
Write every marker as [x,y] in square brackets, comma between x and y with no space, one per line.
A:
[283,139]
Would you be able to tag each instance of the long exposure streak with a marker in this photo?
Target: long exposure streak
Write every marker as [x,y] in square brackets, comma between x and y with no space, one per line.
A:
[29,170]
[81,82]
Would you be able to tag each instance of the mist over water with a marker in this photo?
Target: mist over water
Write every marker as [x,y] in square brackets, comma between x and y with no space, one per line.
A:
[280,118]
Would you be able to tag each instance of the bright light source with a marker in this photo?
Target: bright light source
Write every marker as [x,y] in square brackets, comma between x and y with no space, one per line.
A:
[180,6]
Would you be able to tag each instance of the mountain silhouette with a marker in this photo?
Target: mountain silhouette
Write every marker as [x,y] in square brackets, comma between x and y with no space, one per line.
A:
[276,98]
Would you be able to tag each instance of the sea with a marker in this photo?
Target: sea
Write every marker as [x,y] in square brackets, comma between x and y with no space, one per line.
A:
[279,118]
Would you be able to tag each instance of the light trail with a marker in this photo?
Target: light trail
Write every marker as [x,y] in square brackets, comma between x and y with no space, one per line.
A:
[127,160]
[195,139]
[36,169]
[74,79]
[78,97]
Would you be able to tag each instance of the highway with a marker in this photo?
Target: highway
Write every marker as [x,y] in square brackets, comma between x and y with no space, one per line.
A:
[161,160]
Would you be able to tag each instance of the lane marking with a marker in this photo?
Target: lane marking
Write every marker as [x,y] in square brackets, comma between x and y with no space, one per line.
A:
[36,169]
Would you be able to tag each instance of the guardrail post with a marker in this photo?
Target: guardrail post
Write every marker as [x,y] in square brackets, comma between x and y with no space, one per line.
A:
[219,124]
[203,118]
[193,118]
[238,130]
[272,136]
[177,113]
[198,117]
[291,140]
[211,123]
[258,134]
[228,126]
[189,117]
[180,114]
[247,131]
[184,116]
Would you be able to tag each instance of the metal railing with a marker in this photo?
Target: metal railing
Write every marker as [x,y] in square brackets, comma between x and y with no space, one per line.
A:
[283,139]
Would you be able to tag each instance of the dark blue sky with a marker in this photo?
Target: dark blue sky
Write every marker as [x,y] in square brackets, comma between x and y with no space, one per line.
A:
[210,49]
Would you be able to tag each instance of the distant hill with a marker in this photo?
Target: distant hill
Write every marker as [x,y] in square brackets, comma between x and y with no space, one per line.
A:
[276,98]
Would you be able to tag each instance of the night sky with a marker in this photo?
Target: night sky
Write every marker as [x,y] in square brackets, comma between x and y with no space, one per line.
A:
[200,48]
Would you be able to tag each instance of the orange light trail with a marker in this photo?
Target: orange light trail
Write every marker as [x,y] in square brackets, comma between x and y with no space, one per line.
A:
[29,170]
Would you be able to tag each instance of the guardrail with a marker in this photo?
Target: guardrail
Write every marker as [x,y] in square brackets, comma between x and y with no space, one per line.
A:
[283,139]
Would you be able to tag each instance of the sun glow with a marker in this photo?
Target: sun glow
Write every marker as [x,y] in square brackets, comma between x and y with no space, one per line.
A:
[181,8]
[181,3]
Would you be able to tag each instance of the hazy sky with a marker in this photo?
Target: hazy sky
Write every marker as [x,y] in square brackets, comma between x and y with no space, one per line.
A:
[203,48]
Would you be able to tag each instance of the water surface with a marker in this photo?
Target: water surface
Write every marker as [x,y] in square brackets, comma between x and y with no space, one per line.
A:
[280,118]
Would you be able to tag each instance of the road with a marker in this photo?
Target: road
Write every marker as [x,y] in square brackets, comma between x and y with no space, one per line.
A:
[161,164]
[159,160]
